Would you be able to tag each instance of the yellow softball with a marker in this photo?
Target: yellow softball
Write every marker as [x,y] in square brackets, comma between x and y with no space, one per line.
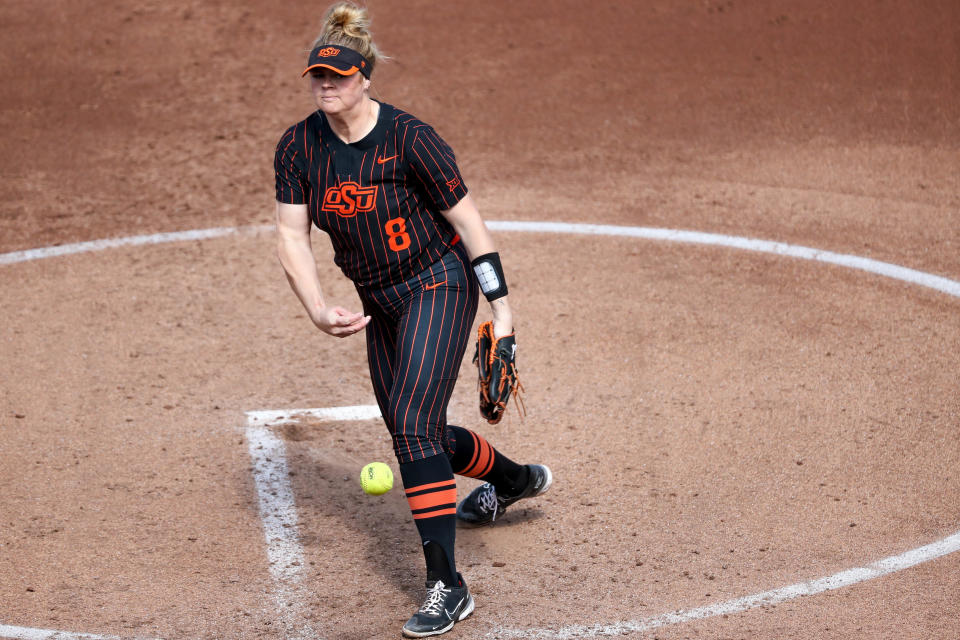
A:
[376,478]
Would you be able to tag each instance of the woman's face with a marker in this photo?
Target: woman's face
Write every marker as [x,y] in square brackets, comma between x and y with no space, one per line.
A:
[334,93]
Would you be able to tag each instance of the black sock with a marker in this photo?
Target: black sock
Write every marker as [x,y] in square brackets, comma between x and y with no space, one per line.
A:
[472,456]
[432,495]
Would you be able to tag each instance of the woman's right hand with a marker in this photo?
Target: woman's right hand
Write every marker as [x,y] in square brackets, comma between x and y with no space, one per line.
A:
[339,322]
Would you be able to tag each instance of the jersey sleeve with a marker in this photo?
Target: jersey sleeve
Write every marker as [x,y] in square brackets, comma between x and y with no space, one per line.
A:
[435,167]
[288,164]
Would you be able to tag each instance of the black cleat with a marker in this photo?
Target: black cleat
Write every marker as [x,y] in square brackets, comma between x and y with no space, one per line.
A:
[443,607]
[484,506]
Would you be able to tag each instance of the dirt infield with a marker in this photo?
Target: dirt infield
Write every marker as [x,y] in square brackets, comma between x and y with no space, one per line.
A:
[721,422]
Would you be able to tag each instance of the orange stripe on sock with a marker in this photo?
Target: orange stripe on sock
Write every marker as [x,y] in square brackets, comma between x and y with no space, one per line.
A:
[433,485]
[473,459]
[484,460]
[433,499]
[493,455]
[479,458]
[433,514]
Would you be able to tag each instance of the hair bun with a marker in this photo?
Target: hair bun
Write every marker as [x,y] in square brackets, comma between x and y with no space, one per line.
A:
[348,25]
[347,19]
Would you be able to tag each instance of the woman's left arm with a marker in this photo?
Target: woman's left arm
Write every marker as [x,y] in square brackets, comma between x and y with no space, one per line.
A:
[466,221]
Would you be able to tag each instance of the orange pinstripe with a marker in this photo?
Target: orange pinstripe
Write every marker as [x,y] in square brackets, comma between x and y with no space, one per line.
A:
[423,356]
[413,363]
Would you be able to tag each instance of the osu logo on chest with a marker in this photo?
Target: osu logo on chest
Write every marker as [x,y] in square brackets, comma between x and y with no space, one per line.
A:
[348,199]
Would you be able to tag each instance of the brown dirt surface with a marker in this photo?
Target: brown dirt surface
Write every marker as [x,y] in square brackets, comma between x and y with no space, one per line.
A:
[719,422]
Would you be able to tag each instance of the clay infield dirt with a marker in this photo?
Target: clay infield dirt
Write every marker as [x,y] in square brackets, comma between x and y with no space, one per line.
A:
[721,422]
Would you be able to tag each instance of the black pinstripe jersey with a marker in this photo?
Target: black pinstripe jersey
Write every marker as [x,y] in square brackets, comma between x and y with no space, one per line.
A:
[379,198]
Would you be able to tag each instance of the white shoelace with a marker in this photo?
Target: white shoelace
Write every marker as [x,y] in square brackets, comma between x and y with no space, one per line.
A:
[488,501]
[435,597]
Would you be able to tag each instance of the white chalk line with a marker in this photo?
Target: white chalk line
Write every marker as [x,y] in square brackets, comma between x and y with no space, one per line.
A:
[281,528]
[27,633]
[897,272]
[847,578]
[278,515]
[277,504]
[132,241]
[281,416]
[278,509]
[887,269]
[276,496]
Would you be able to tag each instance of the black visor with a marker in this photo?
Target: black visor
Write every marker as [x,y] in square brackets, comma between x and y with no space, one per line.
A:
[344,61]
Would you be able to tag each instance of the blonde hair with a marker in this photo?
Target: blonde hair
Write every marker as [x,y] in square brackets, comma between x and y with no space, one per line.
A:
[348,25]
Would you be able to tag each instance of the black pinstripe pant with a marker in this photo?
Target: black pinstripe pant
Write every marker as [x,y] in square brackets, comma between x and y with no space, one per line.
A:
[416,339]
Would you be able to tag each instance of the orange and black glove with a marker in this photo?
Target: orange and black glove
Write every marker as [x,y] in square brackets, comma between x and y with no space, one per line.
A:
[496,360]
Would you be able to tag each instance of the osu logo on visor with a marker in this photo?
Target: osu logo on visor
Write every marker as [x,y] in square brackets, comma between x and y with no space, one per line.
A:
[328,51]
[349,198]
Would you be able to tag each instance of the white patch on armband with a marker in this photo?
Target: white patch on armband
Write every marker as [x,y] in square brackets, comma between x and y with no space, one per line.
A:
[487,277]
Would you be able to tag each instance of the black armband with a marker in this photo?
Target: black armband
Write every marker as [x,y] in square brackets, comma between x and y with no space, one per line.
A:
[490,275]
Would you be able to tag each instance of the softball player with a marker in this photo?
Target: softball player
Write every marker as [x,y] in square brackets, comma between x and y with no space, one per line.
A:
[387,190]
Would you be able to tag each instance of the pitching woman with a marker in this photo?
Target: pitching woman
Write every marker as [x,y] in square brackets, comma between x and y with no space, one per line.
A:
[387,190]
